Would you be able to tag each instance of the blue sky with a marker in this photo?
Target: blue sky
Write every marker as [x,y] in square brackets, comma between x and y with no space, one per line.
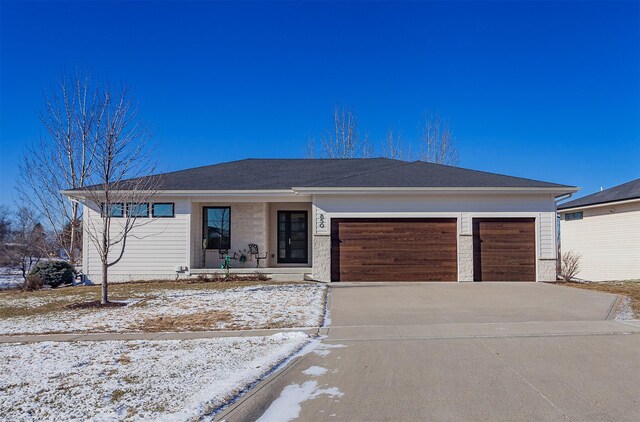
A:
[543,90]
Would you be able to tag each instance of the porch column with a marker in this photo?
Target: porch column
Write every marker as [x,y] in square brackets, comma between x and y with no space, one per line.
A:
[321,249]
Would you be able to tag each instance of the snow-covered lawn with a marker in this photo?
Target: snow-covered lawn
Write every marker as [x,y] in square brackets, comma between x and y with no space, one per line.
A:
[169,309]
[171,380]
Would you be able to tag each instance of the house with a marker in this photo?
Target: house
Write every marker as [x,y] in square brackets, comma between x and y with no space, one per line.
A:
[604,229]
[372,219]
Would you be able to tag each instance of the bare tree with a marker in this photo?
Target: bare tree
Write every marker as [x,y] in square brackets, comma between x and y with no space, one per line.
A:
[5,225]
[310,150]
[343,140]
[392,147]
[26,243]
[438,144]
[120,191]
[64,158]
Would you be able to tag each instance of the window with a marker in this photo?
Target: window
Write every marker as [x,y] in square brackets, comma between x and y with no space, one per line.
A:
[216,232]
[162,210]
[138,210]
[115,210]
[573,216]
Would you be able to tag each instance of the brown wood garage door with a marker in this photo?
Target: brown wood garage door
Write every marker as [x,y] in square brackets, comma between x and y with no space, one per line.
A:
[504,249]
[393,250]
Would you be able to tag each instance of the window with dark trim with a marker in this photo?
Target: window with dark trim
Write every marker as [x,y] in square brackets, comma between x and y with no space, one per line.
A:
[116,210]
[138,210]
[216,227]
[573,216]
[163,210]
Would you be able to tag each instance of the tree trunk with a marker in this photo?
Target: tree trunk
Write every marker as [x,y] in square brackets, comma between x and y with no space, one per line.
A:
[72,240]
[105,269]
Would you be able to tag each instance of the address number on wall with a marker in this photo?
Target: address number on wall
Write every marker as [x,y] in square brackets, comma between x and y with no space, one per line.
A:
[322,225]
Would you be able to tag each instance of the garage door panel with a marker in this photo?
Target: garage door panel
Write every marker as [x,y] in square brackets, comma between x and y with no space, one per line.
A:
[504,249]
[394,250]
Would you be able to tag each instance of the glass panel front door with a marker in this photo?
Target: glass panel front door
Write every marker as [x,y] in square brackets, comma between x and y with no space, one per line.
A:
[292,237]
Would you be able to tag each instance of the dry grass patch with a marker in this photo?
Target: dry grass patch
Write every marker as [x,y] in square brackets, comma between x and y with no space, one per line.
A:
[629,288]
[16,303]
[124,359]
[199,321]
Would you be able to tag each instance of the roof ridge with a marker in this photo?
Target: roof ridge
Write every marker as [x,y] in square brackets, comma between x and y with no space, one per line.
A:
[491,173]
[403,163]
[274,159]
[198,167]
[321,159]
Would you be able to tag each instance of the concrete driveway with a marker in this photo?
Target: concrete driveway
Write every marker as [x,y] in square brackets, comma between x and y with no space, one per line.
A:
[459,352]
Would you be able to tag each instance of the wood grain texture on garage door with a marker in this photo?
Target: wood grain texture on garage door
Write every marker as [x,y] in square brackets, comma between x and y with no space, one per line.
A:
[504,249]
[393,250]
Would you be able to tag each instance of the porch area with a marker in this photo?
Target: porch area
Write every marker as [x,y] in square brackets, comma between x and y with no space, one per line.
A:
[279,234]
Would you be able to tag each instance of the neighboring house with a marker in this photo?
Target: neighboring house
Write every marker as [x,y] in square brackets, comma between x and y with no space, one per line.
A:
[604,229]
[344,220]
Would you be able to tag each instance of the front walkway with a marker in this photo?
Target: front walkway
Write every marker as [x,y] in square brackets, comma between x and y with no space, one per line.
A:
[502,351]
[190,335]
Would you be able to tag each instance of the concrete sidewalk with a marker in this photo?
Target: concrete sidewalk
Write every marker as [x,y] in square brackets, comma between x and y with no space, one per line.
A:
[34,338]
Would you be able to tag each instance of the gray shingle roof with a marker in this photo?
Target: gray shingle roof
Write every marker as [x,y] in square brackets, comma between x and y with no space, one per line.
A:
[274,174]
[629,190]
[421,174]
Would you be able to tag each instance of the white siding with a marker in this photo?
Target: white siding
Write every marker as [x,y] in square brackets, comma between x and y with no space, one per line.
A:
[608,241]
[475,204]
[547,235]
[152,250]
[465,224]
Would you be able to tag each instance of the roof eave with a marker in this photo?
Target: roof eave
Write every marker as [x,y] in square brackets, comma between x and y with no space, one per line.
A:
[556,190]
[599,204]
[167,192]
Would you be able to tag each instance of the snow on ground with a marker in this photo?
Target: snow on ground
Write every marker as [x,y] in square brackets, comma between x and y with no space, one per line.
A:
[168,380]
[250,307]
[10,279]
[624,311]
[287,407]
[315,371]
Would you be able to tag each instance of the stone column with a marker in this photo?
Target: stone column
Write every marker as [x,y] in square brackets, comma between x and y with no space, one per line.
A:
[546,270]
[465,257]
[321,257]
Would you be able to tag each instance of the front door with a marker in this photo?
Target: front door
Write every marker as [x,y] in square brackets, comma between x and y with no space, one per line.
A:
[292,237]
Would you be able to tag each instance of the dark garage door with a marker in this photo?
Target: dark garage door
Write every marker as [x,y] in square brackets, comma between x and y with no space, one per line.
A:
[393,249]
[504,249]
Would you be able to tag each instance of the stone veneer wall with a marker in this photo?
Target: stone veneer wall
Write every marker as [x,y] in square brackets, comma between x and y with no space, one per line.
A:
[248,225]
[465,257]
[321,257]
[546,270]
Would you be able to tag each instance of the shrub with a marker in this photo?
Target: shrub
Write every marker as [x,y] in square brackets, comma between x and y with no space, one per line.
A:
[569,265]
[54,273]
[262,277]
[32,282]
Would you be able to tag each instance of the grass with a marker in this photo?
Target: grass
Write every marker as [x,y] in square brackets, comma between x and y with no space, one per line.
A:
[629,288]
[12,302]
[191,322]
